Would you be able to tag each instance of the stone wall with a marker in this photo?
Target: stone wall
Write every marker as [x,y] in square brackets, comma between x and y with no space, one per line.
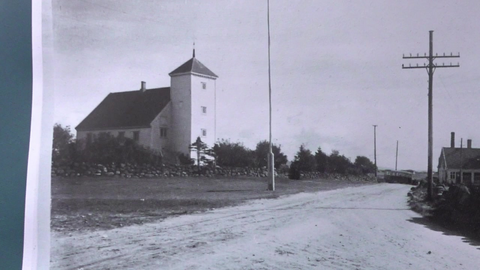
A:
[148,171]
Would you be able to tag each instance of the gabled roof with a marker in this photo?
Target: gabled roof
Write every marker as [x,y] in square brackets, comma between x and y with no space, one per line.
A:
[193,66]
[132,109]
[465,158]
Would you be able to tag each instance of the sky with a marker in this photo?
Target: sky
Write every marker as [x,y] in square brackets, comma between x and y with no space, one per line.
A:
[336,68]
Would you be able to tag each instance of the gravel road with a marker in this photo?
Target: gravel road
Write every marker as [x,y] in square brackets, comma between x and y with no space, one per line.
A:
[367,227]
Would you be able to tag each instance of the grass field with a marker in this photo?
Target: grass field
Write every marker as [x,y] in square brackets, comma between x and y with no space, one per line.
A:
[91,203]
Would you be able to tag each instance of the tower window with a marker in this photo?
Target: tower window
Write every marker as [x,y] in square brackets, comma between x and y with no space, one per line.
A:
[204,85]
[204,132]
[204,110]
[163,132]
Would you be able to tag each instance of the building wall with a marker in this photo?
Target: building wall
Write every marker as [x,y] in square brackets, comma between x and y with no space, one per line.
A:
[203,98]
[180,93]
[157,142]
[144,134]
[188,120]
[461,176]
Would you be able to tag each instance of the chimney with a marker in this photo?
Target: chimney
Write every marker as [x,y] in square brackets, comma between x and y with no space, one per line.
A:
[469,143]
[144,86]
[452,140]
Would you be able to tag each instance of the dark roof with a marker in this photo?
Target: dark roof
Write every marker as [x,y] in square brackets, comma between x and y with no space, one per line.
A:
[193,66]
[127,109]
[465,158]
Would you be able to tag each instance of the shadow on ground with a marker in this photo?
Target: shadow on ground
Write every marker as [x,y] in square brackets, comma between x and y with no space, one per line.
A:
[467,237]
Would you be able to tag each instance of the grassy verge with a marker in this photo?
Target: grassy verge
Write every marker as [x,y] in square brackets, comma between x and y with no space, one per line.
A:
[90,203]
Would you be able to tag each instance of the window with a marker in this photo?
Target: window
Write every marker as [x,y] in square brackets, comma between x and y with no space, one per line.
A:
[121,134]
[136,136]
[452,175]
[204,110]
[204,132]
[163,132]
[204,85]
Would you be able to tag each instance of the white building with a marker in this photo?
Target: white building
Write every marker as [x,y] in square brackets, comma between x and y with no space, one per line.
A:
[459,164]
[167,120]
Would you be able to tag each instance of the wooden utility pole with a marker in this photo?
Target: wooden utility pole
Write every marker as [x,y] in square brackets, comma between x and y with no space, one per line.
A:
[396,157]
[431,67]
[271,158]
[375,148]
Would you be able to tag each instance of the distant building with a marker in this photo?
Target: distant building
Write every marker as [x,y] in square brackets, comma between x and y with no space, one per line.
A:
[459,165]
[168,119]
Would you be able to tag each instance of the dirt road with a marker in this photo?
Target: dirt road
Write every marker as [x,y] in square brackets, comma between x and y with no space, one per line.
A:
[368,227]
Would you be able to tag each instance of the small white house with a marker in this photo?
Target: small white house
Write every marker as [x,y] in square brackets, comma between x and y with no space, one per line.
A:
[459,165]
[166,119]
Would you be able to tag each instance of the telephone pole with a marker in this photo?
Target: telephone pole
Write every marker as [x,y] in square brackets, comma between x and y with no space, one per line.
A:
[271,159]
[396,157]
[430,67]
[375,148]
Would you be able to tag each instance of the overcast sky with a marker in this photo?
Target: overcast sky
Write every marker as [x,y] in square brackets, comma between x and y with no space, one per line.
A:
[336,68]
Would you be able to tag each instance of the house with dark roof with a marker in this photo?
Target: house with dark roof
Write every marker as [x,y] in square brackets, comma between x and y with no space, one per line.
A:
[459,165]
[167,119]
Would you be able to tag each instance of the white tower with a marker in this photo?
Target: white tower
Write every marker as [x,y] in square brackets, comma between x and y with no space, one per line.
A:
[192,93]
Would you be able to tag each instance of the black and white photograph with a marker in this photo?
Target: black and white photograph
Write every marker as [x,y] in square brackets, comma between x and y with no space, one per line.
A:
[263,134]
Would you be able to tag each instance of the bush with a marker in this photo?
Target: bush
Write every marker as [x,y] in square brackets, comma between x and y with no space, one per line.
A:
[294,171]
[185,159]
[339,163]
[261,155]
[105,149]
[230,154]
[63,147]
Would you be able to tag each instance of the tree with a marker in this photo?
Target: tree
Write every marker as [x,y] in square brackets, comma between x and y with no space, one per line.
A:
[63,146]
[338,163]
[321,160]
[261,154]
[364,165]
[201,149]
[305,159]
[233,154]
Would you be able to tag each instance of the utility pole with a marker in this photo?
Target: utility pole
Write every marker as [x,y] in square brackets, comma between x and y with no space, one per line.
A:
[271,159]
[375,148]
[396,157]
[431,67]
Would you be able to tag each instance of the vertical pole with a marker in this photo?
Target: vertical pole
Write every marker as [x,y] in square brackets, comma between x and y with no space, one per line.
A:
[271,163]
[461,160]
[375,148]
[396,157]
[430,118]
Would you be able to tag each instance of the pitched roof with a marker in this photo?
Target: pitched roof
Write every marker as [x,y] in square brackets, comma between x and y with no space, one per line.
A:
[465,158]
[127,109]
[193,66]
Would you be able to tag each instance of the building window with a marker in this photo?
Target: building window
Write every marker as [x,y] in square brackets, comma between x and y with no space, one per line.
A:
[136,136]
[204,132]
[121,134]
[204,85]
[453,175]
[163,132]
[204,110]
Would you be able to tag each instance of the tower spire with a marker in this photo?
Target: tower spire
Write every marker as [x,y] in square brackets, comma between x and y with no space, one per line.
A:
[193,49]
